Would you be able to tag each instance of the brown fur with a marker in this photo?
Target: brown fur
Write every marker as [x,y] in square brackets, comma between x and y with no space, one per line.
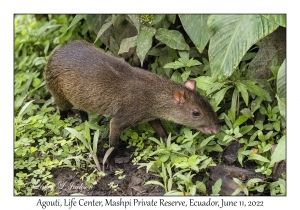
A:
[79,75]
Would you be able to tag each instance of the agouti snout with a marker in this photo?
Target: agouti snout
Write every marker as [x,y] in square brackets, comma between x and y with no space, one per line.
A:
[79,75]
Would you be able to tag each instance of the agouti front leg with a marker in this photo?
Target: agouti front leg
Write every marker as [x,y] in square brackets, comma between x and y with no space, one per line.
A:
[159,129]
[116,127]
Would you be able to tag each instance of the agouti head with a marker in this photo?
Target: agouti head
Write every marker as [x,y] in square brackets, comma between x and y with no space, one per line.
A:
[193,110]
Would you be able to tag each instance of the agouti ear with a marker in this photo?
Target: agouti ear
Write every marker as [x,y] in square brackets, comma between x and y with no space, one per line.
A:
[179,97]
[190,84]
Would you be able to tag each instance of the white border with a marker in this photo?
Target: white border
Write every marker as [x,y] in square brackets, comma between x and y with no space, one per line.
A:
[8,201]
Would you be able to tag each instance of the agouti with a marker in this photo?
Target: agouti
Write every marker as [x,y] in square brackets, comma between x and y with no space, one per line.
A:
[79,75]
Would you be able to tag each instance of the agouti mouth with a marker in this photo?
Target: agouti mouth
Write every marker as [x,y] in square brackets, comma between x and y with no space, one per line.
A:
[210,130]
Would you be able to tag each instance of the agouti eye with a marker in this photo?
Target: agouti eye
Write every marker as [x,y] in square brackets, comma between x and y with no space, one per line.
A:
[196,113]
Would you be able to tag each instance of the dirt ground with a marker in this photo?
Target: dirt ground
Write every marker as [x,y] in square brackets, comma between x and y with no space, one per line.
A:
[68,182]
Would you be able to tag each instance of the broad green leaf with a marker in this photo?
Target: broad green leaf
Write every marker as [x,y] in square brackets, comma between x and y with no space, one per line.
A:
[281,81]
[106,155]
[23,110]
[171,38]
[126,44]
[233,35]
[247,112]
[104,28]
[87,132]
[205,141]
[245,129]
[78,136]
[279,153]
[171,18]
[155,183]
[193,62]
[174,65]
[144,42]
[205,163]
[234,100]
[219,96]
[214,87]
[216,188]
[252,87]
[242,89]
[258,157]
[204,82]
[135,21]
[176,76]
[95,141]
[240,120]
[157,19]
[196,27]
[75,20]
[201,186]
[95,22]
[278,19]
[282,106]
[237,191]
[185,75]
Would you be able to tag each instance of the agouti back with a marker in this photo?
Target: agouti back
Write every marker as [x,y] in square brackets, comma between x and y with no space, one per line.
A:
[79,75]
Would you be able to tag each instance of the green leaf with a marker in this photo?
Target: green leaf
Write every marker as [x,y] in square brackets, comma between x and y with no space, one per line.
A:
[172,39]
[252,87]
[157,19]
[234,100]
[144,42]
[24,109]
[87,132]
[155,183]
[95,141]
[280,151]
[185,75]
[171,18]
[193,62]
[106,155]
[281,81]
[216,188]
[196,27]
[205,163]
[242,89]
[78,136]
[205,141]
[278,19]
[282,106]
[135,21]
[174,65]
[245,129]
[104,28]
[258,157]
[95,22]
[75,20]
[204,82]
[240,121]
[201,187]
[219,96]
[233,35]
[126,44]
[176,76]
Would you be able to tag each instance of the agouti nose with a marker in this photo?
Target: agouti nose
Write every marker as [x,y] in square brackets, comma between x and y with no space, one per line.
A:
[211,130]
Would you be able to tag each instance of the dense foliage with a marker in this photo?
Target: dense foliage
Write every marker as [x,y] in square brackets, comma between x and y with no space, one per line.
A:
[214,50]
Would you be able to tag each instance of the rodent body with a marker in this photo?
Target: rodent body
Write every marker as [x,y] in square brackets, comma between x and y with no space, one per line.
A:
[80,76]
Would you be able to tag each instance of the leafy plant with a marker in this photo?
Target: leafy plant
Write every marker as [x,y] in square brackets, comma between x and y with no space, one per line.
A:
[85,138]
